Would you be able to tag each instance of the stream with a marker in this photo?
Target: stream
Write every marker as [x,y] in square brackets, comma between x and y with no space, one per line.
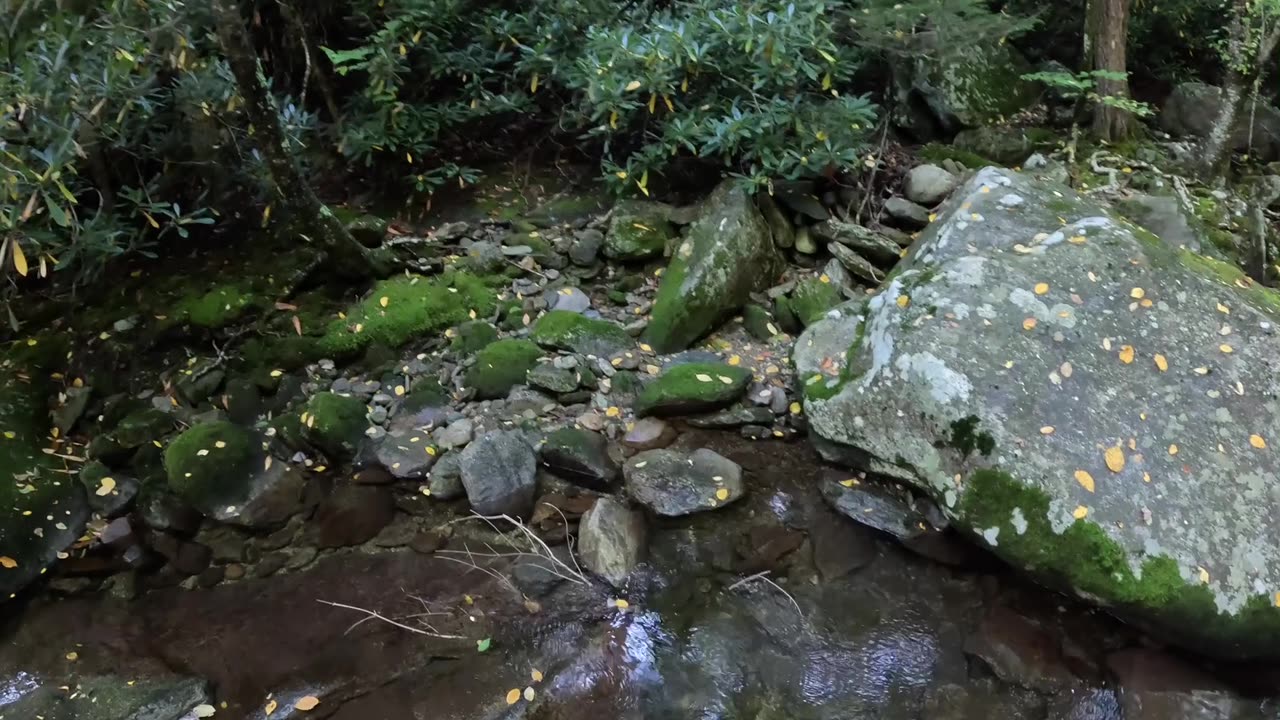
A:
[773,608]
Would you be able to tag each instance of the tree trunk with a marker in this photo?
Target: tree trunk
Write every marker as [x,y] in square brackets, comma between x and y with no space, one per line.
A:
[1235,87]
[314,221]
[1106,35]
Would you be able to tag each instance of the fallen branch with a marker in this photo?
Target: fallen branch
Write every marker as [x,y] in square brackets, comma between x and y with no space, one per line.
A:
[764,577]
[426,629]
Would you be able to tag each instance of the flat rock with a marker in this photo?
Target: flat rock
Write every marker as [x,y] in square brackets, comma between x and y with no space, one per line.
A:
[693,388]
[611,540]
[928,185]
[649,434]
[733,418]
[906,212]
[499,472]
[579,456]
[672,483]
[404,454]
[874,505]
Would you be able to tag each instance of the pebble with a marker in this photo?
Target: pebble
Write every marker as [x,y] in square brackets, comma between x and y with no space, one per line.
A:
[456,435]
[341,385]
[605,368]
[592,421]
[378,415]
[565,362]
[778,401]
[382,399]
[125,325]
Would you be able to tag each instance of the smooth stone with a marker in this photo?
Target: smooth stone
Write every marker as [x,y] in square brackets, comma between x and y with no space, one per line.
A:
[611,540]
[672,483]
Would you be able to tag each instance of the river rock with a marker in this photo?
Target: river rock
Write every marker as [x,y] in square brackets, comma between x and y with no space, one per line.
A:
[499,472]
[928,185]
[693,388]
[562,330]
[456,435]
[73,403]
[869,243]
[907,213]
[1153,685]
[445,481]
[105,697]
[404,453]
[1092,413]
[649,434]
[874,505]
[733,417]
[585,247]
[110,494]
[580,457]
[611,540]
[223,471]
[638,230]
[334,423]
[1020,651]
[547,376]
[979,84]
[726,255]
[569,299]
[672,483]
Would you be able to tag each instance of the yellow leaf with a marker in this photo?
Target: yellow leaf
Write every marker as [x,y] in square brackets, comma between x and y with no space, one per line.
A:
[1080,513]
[107,484]
[903,301]
[306,703]
[1085,480]
[1046,430]
[384,301]
[1258,442]
[513,696]
[633,85]
[19,259]
[7,562]
[826,81]
[613,119]
[1137,293]
[1029,324]
[1115,458]
[1203,574]
[1126,354]
[266,215]
[536,675]
[271,706]
[533,83]
[1042,288]
[670,106]
[150,220]
[621,604]
[722,494]
[1226,348]
[1173,449]
[1161,362]
[653,102]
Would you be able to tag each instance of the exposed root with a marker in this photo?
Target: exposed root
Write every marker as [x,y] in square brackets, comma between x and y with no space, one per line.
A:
[538,551]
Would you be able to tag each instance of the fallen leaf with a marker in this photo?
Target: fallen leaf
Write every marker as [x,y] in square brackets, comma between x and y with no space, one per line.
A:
[513,696]
[1226,348]
[1224,309]
[1161,362]
[271,706]
[1080,513]
[621,604]
[204,710]
[108,484]
[1046,430]
[483,645]
[1042,288]
[384,301]
[722,494]
[1114,457]
[297,325]
[1204,575]
[306,703]
[1173,449]
[1085,480]
[1258,442]
[1137,293]
[536,674]
[702,377]
[1126,354]
[73,656]
[528,694]
[1029,324]
[903,301]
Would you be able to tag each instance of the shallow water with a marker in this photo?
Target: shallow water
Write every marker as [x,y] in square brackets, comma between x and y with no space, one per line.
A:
[898,636]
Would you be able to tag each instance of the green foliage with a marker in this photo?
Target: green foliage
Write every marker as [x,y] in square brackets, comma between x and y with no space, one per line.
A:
[1083,86]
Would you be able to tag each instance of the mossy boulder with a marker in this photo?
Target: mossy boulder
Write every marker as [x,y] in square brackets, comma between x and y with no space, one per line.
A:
[638,230]
[222,470]
[812,298]
[1005,145]
[501,366]
[402,308]
[982,84]
[693,388]
[472,337]
[727,254]
[42,511]
[1094,408]
[334,423]
[564,330]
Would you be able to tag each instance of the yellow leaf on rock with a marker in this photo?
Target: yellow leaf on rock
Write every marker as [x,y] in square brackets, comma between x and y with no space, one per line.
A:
[1204,575]
[1258,442]
[1029,324]
[1226,348]
[1126,354]
[7,562]
[1085,480]
[528,694]
[1080,513]
[1137,293]
[1161,362]
[1046,430]
[722,494]
[271,706]
[107,484]
[903,301]
[513,696]
[621,604]
[1114,457]
[1042,288]
[306,703]
[1173,449]
[536,675]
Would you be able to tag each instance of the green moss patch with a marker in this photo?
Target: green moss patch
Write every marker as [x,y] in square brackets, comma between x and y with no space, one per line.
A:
[937,152]
[564,330]
[501,366]
[693,388]
[638,231]
[472,337]
[211,465]
[399,309]
[812,298]
[334,423]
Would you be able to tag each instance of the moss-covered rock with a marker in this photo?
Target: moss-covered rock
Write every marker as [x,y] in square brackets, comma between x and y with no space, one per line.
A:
[693,388]
[564,330]
[760,323]
[936,153]
[41,511]
[638,230]
[501,366]
[218,306]
[981,85]
[210,465]
[334,423]
[727,254]
[472,337]
[399,309]
[812,298]
[1005,145]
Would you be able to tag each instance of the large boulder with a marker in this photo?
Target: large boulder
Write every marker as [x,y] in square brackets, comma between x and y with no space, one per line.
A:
[940,95]
[1087,401]
[225,472]
[638,230]
[1192,109]
[499,471]
[727,254]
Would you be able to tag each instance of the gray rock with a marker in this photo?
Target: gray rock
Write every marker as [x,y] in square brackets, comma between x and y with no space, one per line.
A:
[726,255]
[928,185]
[110,494]
[68,412]
[1122,523]
[404,453]
[672,483]
[553,379]
[857,265]
[649,434]
[979,84]
[124,325]
[804,241]
[839,276]
[569,299]
[445,481]
[868,243]
[523,399]
[907,213]
[485,258]
[378,415]
[456,435]
[1153,685]
[876,506]
[580,457]
[779,403]
[451,230]
[799,196]
[586,247]
[611,540]
[517,250]
[1192,109]
[1165,217]
[638,230]
[499,472]
[784,233]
